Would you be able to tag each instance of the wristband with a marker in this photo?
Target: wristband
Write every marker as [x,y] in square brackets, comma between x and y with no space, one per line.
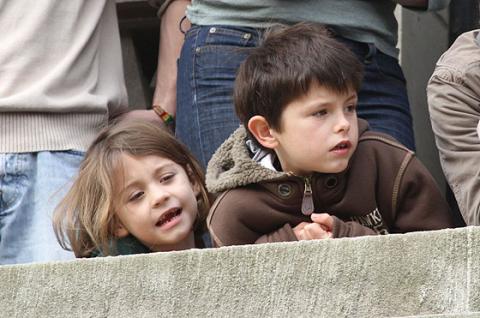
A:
[168,119]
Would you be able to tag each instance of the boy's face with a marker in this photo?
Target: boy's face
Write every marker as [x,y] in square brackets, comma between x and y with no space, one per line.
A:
[319,132]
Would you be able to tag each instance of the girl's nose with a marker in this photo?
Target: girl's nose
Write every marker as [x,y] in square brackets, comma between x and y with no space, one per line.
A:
[159,196]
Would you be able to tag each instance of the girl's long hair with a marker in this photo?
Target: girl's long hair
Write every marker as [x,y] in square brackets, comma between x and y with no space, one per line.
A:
[84,221]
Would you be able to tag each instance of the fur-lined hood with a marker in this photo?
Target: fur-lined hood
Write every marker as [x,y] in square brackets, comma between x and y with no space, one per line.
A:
[232,165]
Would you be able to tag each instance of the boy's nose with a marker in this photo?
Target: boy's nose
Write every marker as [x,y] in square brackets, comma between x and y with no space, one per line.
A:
[342,123]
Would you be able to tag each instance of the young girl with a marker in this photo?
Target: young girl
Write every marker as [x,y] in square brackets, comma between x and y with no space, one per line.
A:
[138,190]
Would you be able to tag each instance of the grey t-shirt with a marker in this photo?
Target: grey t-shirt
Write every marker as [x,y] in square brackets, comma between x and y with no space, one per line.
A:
[368,21]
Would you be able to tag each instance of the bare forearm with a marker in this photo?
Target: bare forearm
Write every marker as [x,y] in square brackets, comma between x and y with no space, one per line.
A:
[171,41]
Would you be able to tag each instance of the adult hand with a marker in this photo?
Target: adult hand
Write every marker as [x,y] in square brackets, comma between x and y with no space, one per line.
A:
[144,114]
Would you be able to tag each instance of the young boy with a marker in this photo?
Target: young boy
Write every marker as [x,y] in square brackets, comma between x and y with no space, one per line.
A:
[307,168]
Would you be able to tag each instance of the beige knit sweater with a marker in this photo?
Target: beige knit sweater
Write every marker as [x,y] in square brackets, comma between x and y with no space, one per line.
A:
[61,73]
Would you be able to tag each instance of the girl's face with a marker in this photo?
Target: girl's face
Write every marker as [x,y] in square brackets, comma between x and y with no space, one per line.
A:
[157,203]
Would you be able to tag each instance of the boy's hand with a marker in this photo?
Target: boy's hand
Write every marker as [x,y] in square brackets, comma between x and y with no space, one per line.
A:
[310,231]
[325,220]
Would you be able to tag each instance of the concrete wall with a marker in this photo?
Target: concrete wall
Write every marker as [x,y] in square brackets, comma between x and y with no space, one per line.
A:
[424,274]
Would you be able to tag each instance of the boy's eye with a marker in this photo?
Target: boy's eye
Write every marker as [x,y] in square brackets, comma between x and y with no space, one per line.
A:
[135,196]
[320,113]
[351,108]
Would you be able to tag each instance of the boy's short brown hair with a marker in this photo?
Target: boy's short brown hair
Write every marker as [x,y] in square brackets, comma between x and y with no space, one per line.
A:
[284,66]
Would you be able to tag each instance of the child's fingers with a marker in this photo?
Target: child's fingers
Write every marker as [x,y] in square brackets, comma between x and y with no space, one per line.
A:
[301,225]
[301,235]
[299,231]
[314,231]
[324,219]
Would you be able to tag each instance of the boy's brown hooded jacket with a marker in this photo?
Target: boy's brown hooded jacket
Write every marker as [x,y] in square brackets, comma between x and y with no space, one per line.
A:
[385,189]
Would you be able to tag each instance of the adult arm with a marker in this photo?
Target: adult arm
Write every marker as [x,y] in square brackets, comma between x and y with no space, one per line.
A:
[454,104]
[171,40]
[170,44]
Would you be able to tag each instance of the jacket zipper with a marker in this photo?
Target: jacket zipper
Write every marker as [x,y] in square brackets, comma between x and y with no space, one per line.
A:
[307,200]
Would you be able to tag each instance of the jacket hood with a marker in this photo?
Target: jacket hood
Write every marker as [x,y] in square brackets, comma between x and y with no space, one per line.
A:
[232,165]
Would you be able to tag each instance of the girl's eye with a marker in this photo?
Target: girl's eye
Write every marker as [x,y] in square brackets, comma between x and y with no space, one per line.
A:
[320,113]
[166,177]
[135,196]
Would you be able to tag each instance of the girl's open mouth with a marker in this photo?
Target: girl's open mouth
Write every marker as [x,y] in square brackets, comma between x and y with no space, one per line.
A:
[169,216]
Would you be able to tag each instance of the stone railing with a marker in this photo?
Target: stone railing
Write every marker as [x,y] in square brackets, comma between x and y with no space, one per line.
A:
[424,274]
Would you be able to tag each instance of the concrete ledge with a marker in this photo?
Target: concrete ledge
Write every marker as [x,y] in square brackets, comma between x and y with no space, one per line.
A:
[424,274]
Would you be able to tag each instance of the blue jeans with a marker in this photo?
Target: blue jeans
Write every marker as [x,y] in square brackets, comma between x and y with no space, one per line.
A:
[383,98]
[31,185]
[207,67]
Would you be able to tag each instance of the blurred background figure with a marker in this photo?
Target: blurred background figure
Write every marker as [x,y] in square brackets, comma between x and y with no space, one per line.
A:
[62,77]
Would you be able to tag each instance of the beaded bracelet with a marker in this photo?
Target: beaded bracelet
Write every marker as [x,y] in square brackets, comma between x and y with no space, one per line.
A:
[168,119]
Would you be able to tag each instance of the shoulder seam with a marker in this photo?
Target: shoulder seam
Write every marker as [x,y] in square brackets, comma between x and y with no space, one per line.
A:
[386,140]
[398,180]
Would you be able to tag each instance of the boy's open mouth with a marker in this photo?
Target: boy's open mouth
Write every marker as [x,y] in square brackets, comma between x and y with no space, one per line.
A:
[342,145]
[169,216]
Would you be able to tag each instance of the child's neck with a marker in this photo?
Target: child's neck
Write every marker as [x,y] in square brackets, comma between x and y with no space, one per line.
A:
[187,243]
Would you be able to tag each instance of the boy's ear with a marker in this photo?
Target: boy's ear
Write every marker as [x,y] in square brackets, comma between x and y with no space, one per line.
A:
[120,230]
[260,129]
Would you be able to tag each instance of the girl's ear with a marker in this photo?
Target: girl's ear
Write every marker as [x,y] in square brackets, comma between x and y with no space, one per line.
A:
[120,230]
[260,129]
[195,186]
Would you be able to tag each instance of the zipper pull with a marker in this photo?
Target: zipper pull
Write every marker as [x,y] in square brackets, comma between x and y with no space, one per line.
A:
[307,201]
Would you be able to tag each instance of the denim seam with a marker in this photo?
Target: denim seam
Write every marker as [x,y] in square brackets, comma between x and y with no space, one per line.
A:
[194,92]
[227,32]
[239,38]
